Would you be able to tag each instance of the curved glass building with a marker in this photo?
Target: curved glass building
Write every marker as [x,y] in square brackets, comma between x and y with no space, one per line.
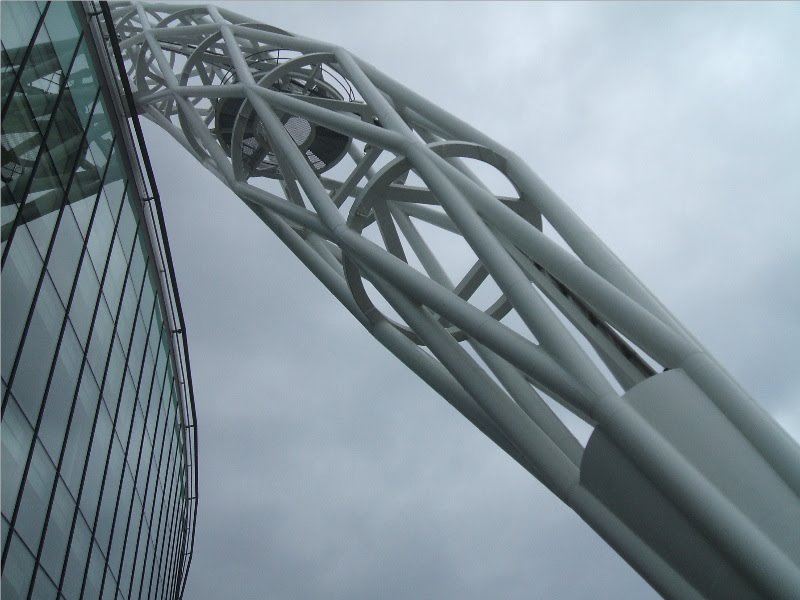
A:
[98,438]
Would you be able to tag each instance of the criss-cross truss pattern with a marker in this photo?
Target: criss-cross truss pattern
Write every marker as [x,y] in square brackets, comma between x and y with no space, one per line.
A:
[459,259]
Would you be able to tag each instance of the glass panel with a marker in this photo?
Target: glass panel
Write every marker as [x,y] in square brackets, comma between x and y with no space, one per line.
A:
[139,558]
[65,137]
[78,554]
[64,258]
[38,350]
[115,276]
[109,585]
[35,497]
[20,276]
[105,514]
[84,301]
[18,568]
[55,546]
[134,454]
[8,71]
[82,201]
[17,25]
[95,575]
[42,77]
[86,183]
[121,522]
[147,371]
[116,371]
[100,236]
[43,588]
[100,138]
[21,143]
[42,203]
[144,465]
[63,31]
[59,397]
[114,182]
[155,408]
[128,221]
[16,441]
[126,408]
[138,256]
[127,313]
[80,430]
[148,573]
[82,84]
[130,548]
[5,528]
[102,335]
[96,465]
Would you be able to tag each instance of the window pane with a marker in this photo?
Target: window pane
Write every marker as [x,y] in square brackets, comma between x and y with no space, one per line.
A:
[97,462]
[55,545]
[130,548]
[84,301]
[38,350]
[77,449]
[82,83]
[18,569]
[63,31]
[127,313]
[21,143]
[16,441]
[102,335]
[42,77]
[78,554]
[65,137]
[59,397]
[35,497]
[105,514]
[64,258]
[115,277]
[20,276]
[116,371]
[95,575]
[42,203]
[18,22]
[43,588]
[121,522]
[128,221]
[83,195]
[100,136]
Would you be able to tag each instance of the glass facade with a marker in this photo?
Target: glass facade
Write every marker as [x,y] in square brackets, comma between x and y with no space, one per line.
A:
[98,469]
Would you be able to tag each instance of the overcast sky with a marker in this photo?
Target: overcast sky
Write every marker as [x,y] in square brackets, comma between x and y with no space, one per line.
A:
[328,470]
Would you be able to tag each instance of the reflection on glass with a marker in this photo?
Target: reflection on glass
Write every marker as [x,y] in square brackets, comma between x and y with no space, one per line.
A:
[84,349]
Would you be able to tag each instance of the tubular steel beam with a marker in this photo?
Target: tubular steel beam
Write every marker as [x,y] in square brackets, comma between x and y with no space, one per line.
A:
[514,322]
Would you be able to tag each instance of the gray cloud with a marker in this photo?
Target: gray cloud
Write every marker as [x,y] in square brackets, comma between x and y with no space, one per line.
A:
[327,469]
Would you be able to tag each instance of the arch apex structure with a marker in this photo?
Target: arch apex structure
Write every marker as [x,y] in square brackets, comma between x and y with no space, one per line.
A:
[440,242]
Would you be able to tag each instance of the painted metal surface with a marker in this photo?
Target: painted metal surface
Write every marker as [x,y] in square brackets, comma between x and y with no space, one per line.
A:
[373,187]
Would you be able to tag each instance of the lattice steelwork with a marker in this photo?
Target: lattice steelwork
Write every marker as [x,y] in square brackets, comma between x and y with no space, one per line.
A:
[504,303]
